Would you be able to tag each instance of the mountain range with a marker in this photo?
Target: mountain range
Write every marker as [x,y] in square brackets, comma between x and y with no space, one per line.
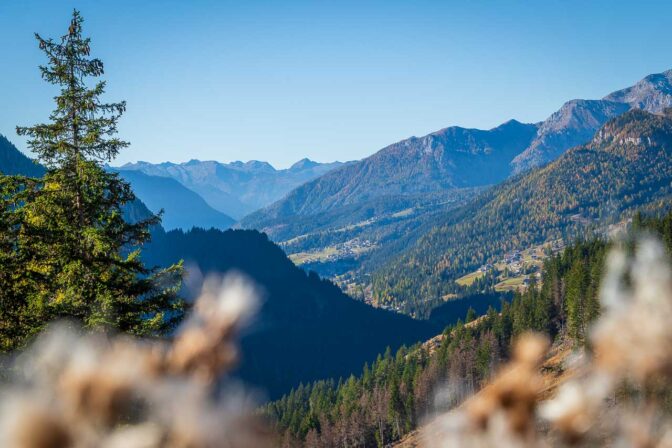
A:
[577,120]
[182,208]
[456,157]
[236,188]
[627,166]
[419,213]
[450,161]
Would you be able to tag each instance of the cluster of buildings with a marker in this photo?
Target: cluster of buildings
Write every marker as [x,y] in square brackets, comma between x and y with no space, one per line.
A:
[486,268]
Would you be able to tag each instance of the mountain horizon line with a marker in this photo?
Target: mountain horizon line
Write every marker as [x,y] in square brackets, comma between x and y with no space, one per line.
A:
[618,96]
[234,163]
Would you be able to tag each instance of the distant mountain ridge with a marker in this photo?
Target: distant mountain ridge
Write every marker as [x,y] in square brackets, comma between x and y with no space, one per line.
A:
[456,157]
[451,159]
[182,208]
[575,123]
[653,93]
[236,188]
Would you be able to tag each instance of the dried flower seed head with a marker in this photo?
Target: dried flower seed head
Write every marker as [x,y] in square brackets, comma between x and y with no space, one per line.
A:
[574,409]
[28,422]
[91,390]
[511,397]
[633,336]
[147,435]
[205,347]
[531,348]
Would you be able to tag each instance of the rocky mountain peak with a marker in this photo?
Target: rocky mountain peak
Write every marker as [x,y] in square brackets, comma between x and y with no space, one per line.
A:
[253,165]
[577,121]
[303,164]
[653,93]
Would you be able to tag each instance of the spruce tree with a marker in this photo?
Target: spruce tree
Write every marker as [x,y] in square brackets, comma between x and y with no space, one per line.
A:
[80,257]
[575,302]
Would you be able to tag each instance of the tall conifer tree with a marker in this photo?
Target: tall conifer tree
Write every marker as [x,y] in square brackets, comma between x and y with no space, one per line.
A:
[79,257]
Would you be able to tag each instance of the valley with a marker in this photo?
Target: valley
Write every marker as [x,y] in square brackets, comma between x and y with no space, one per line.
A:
[376,202]
[450,276]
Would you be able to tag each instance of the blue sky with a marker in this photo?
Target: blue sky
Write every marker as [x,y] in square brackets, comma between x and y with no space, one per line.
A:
[329,80]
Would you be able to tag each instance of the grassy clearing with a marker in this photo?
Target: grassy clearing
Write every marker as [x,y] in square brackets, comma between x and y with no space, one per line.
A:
[300,258]
[510,284]
[330,253]
[468,279]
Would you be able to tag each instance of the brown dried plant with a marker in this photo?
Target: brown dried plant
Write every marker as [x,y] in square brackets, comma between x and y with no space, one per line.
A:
[630,349]
[71,389]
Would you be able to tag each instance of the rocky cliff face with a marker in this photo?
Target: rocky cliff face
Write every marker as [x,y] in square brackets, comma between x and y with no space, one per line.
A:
[575,123]
[652,94]
[635,133]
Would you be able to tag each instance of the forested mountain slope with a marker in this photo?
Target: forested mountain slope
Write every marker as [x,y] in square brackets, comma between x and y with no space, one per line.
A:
[451,158]
[13,161]
[398,392]
[627,165]
[306,328]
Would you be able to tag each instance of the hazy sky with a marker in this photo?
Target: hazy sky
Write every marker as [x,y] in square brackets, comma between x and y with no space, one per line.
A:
[282,80]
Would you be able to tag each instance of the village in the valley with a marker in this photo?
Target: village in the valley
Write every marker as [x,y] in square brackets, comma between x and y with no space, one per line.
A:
[516,269]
